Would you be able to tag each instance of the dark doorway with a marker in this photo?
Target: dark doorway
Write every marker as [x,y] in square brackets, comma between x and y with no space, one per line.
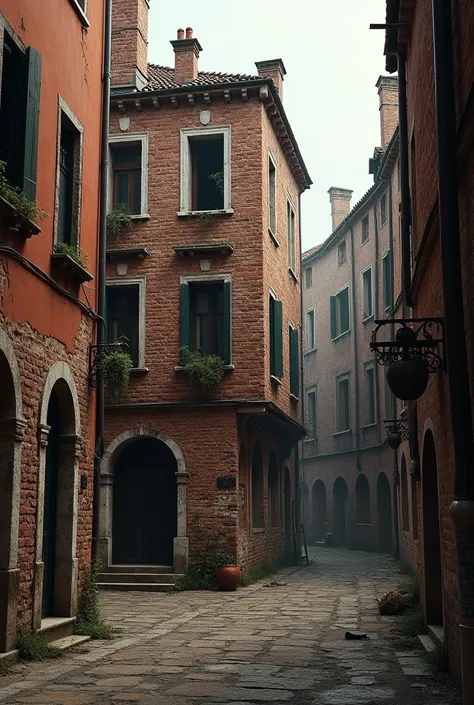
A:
[305,505]
[384,514]
[431,532]
[288,518]
[319,511]
[340,512]
[50,511]
[144,504]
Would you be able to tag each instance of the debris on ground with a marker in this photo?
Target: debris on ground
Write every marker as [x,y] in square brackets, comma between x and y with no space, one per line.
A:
[393,602]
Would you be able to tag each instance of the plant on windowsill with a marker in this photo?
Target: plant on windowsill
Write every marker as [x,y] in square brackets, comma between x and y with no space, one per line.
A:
[24,213]
[118,220]
[116,368]
[77,254]
[204,371]
[218,180]
[206,218]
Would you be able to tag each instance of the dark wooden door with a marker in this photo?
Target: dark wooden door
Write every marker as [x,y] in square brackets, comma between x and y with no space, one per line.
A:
[50,507]
[145,504]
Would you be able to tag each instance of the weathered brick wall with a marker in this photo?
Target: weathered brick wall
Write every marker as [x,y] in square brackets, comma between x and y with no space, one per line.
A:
[129,40]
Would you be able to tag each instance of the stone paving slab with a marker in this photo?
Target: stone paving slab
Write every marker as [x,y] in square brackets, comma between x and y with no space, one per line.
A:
[278,645]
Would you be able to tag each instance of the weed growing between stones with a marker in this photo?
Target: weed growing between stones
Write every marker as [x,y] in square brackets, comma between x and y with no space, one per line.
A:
[258,572]
[208,554]
[89,621]
[35,647]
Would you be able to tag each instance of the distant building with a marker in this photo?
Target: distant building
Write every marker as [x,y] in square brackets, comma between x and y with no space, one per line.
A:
[348,468]
[209,167]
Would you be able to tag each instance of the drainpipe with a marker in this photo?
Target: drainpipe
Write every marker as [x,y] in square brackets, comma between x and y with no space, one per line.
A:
[404,179]
[299,465]
[356,353]
[462,508]
[99,444]
[376,317]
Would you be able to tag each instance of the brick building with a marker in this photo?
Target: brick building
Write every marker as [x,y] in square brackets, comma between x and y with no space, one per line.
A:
[51,104]
[209,167]
[348,468]
[432,51]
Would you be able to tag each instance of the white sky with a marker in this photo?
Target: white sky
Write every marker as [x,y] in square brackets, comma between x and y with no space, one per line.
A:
[332,60]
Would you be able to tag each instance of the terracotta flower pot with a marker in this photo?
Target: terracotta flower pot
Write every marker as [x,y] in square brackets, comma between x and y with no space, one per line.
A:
[228,577]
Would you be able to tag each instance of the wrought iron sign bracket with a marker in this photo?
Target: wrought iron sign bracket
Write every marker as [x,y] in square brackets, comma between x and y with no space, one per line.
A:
[97,353]
[415,339]
[399,426]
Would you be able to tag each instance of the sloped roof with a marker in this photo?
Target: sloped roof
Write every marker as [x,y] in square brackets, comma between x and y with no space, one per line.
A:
[162,78]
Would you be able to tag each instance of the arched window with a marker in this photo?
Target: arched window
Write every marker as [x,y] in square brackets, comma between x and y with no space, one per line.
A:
[273,495]
[258,519]
[404,495]
[362,495]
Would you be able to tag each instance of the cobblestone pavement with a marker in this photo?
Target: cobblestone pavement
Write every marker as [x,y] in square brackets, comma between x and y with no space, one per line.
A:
[267,643]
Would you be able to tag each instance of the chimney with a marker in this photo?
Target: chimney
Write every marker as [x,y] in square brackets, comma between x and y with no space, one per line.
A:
[340,199]
[387,87]
[274,69]
[130,43]
[186,55]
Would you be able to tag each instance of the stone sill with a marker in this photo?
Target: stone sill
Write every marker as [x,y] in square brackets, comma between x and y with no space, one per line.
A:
[275,380]
[140,216]
[341,433]
[131,253]
[16,222]
[227,368]
[293,275]
[310,352]
[293,397]
[80,13]
[258,530]
[197,214]
[274,238]
[341,335]
[64,262]
[368,319]
[139,371]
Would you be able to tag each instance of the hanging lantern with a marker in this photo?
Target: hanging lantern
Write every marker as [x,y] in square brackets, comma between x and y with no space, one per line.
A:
[408,379]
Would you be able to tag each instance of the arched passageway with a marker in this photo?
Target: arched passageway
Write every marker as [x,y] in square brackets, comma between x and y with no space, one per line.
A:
[319,507]
[362,498]
[340,496]
[384,514]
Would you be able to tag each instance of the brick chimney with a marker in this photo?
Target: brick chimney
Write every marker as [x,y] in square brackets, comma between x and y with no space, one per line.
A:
[186,55]
[340,199]
[130,43]
[274,69]
[387,87]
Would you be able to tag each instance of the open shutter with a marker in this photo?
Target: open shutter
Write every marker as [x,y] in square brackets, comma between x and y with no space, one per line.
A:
[344,310]
[33,90]
[294,363]
[278,338]
[332,306]
[184,320]
[227,325]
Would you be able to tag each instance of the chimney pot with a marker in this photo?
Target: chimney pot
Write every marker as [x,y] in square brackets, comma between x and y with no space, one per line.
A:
[189,32]
[340,199]
[180,33]
[274,69]
[186,55]
[387,88]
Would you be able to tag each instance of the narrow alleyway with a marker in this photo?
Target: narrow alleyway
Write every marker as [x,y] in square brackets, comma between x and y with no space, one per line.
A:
[274,643]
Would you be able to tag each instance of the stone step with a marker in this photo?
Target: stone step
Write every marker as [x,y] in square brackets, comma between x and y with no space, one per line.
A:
[137,587]
[427,642]
[57,627]
[69,642]
[436,632]
[139,577]
[123,568]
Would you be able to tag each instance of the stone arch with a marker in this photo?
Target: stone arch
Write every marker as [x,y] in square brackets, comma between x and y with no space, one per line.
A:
[12,427]
[61,377]
[181,541]
[362,500]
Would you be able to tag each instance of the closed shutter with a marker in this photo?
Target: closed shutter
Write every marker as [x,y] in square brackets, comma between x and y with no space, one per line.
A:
[294,363]
[33,91]
[184,320]
[227,324]
[278,338]
[332,306]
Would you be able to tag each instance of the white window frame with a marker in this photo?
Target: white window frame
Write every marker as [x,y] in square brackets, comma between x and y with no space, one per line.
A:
[81,11]
[185,185]
[273,232]
[338,315]
[131,138]
[384,259]
[291,236]
[365,315]
[312,390]
[339,379]
[366,218]
[307,349]
[307,269]
[141,283]
[370,366]
[343,242]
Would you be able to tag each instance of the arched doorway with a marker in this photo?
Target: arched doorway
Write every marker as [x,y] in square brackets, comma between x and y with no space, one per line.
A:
[362,497]
[288,515]
[433,601]
[144,522]
[384,514]
[320,518]
[305,504]
[340,512]
[258,516]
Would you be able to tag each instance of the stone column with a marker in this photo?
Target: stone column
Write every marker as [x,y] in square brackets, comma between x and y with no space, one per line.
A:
[181,542]
[43,433]
[105,517]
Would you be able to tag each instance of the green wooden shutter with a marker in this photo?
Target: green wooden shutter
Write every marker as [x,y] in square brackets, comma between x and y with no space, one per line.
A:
[227,324]
[278,338]
[332,306]
[294,363]
[33,91]
[344,310]
[184,320]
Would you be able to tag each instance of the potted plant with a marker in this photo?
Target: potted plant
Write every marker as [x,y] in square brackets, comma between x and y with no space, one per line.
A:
[116,367]
[118,220]
[206,372]
[227,573]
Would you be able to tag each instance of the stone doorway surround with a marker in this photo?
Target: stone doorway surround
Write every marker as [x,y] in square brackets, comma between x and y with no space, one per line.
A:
[181,541]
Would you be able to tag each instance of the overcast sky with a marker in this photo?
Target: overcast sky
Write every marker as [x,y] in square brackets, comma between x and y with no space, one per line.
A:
[332,60]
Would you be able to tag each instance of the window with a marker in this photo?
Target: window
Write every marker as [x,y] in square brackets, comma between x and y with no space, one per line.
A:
[67,219]
[293,346]
[339,306]
[273,498]
[19,115]
[342,253]
[276,337]
[258,518]
[362,496]
[367,293]
[383,209]
[205,318]
[310,337]
[125,314]
[128,173]
[365,228]
[205,169]
[311,416]
[343,411]
[308,275]
[387,280]
[369,394]
[291,237]
[272,225]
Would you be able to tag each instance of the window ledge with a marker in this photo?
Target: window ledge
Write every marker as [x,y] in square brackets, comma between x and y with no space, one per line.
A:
[140,216]
[310,352]
[368,319]
[293,274]
[310,440]
[341,335]
[274,238]
[197,214]
[258,530]
[275,380]
[293,397]
[364,242]
[16,222]
[274,529]
[342,433]
[80,13]
[227,368]
[370,425]
[130,253]
[64,262]
[139,370]
[363,523]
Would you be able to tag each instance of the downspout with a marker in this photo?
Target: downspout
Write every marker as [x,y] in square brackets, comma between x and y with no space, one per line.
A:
[404,179]
[356,353]
[376,317]
[100,423]
[462,508]
[300,463]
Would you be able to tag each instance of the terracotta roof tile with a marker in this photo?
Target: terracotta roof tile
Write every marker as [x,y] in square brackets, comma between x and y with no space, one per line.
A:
[162,78]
